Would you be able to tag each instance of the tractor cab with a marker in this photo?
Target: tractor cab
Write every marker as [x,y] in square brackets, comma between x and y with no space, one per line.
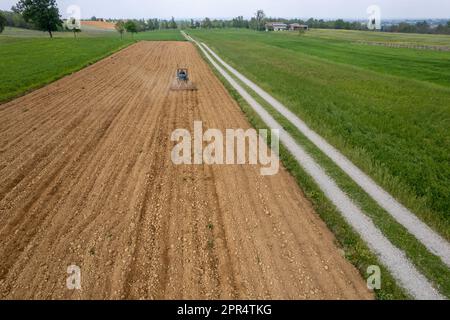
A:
[182,74]
[182,81]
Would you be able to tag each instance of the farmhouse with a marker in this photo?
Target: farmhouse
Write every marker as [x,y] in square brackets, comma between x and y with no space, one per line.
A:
[280,26]
[298,27]
[276,26]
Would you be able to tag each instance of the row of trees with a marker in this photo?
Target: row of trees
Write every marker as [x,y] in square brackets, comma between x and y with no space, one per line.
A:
[12,19]
[419,27]
[260,19]
[2,22]
[152,24]
[257,22]
[44,15]
[135,26]
[129,26]
[33,14]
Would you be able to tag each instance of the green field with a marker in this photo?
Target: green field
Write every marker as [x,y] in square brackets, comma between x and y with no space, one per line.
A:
[406,38]
[88,32]
[387,109]
[30,59]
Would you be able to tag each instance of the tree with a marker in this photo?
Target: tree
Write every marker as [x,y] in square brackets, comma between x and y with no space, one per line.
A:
[120,27]
[131,27]
[156,24]
[173,24]
[422,27]
[164,24]
[207,23]
[260,19]
[340,24]
[3,22]
[43,14]
[239,22]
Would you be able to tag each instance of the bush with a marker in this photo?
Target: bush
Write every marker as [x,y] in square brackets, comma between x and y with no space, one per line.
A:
[2,22]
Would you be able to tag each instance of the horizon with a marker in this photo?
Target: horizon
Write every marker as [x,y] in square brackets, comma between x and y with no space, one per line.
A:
[199,9]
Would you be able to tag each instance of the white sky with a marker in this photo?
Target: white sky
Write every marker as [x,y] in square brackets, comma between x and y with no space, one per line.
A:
[231,8]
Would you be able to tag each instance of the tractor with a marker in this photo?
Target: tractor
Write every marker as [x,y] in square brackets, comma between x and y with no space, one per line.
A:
[182,81]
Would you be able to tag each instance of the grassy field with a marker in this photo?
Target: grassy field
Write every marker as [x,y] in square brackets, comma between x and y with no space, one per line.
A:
[387,109]
[380,106]
[88,32]
[406,38]
[30,59]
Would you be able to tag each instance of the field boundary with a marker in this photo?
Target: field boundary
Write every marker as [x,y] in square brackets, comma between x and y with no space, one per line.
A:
[395,259]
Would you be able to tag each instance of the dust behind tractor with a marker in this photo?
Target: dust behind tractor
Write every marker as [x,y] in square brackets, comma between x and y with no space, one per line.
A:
[182,81]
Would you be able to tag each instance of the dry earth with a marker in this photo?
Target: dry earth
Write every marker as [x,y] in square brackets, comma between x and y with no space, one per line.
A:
[99,24]
[87,179]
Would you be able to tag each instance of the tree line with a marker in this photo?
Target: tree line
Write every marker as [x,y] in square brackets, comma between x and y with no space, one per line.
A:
[44,15]
[419,27]
[258,23]
[33,14]
[142,25]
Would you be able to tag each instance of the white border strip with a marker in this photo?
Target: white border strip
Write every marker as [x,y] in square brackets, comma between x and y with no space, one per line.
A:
[392,257]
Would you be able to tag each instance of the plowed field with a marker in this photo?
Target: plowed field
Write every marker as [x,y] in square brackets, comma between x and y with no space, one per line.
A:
[99,24]
[87,179]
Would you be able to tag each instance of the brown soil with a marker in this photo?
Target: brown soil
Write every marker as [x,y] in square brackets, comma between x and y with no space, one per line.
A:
[99,24]
[87,179]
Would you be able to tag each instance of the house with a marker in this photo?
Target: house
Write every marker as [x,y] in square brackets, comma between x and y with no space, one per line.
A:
[276,26]
[298,27]
[280,26]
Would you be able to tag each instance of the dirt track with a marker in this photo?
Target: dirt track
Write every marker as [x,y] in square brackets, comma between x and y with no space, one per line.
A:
[87,179]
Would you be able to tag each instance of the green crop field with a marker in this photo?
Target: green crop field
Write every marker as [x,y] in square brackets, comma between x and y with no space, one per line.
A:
[88,32]
[387,109]
[30,59]
[350,35]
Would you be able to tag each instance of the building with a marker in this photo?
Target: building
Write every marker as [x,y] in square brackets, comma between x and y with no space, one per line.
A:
[276,26]
[298,27]
[280,26]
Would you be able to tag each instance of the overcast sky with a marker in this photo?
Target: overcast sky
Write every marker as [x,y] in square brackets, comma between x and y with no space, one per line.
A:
[231,8]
